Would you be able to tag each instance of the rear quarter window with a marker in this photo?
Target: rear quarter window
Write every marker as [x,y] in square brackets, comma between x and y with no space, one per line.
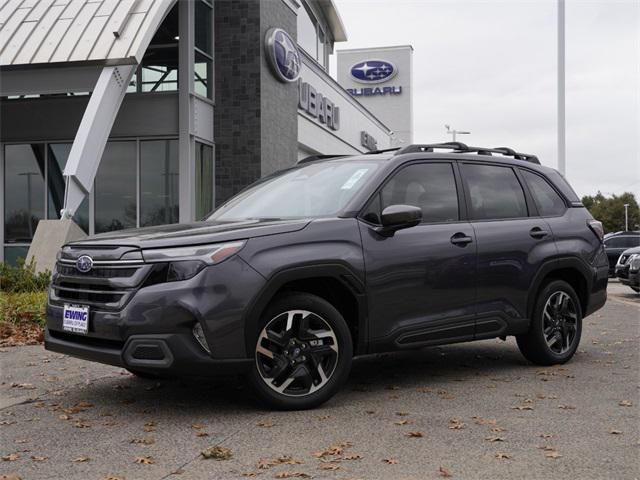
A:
[561,183]
[548,201]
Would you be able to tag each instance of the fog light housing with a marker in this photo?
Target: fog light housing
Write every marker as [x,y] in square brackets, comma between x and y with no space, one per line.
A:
[198,333]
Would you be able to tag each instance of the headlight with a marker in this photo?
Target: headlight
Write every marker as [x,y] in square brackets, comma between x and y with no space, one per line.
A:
[183,263]
[208,254]
[634,262]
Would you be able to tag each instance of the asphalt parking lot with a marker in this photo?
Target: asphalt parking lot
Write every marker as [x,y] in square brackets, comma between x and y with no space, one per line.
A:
[475,410]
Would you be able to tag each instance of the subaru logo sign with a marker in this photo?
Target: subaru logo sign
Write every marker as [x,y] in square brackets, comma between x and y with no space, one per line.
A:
[84,263]
[373,71]
[283,55]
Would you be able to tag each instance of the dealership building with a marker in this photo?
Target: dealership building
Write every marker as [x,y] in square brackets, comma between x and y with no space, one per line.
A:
[132,113]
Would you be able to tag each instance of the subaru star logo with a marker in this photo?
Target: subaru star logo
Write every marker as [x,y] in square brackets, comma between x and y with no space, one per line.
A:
[283,55]
[373,71]
[84,263]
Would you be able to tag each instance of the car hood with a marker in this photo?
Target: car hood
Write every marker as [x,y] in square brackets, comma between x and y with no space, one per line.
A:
[631,251]
[196,233]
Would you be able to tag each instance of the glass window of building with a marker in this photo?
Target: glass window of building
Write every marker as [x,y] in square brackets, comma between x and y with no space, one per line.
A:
[158,71]
[158,182]
[204,180]
[115,188]
[307,34]
[203,40]
[57,155]
[24,174]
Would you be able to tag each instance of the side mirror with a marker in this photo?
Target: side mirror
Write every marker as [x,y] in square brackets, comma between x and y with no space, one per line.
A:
[398,217]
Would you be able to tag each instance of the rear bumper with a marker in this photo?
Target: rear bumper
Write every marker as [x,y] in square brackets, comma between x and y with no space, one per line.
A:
[170,354]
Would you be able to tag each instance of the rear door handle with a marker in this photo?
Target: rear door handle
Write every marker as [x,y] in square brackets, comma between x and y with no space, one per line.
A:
[461,239]
[537,232]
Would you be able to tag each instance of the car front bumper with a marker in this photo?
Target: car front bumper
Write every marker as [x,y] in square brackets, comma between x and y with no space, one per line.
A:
[153,332]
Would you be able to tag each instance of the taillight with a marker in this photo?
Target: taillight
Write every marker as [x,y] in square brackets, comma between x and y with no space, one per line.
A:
[596,228]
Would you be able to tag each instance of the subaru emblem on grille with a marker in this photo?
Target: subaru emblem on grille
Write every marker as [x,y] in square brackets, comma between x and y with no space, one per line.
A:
[84,263]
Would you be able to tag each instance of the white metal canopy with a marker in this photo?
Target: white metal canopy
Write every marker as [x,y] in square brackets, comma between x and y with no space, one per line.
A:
[51,46]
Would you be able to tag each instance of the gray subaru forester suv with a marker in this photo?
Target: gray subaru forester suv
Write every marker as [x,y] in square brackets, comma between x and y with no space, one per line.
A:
[339,257]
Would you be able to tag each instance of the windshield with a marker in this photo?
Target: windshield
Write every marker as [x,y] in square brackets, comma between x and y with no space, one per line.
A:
[315,190]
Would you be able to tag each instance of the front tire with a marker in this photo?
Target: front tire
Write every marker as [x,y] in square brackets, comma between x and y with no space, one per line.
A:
[302,353]
[556,326]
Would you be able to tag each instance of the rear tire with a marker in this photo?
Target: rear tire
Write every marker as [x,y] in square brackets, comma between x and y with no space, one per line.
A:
[556,326]
[302,353]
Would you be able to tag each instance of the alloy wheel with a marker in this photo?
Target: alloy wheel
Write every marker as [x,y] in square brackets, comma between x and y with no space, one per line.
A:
[297,353]
[560,322]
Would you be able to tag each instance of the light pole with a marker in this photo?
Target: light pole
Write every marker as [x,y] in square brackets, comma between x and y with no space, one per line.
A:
[562,147]
[454,132]
[626,217]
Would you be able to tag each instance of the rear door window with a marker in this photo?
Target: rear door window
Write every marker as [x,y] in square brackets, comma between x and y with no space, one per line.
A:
[495,192]
[549,203]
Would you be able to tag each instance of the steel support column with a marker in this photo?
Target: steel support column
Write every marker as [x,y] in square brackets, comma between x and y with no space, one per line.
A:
[91,138]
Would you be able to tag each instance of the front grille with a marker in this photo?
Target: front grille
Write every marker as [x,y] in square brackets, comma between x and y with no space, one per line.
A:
[105,272]
[107,286]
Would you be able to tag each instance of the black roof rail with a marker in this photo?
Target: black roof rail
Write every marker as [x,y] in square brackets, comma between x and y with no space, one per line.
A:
[384,150]
[459,147]
[313,158]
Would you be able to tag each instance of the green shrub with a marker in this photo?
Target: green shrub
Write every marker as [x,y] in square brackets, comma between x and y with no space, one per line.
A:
[22,278]
[22,307]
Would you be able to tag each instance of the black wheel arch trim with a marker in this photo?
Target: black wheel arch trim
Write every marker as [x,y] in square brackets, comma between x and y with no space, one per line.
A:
[550,266]
[336,270]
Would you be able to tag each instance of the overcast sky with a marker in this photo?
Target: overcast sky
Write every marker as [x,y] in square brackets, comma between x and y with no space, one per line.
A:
[490,67]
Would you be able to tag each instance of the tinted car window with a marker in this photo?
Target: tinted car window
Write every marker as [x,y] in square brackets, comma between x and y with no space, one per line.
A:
[623,242]
[548,201]
[495,192]
[429,186]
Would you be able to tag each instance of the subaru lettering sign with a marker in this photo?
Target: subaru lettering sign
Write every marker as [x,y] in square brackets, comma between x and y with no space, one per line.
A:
[373,71]
[283,55]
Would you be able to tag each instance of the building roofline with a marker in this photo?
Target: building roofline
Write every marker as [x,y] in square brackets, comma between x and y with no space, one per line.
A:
[329,10]
[369,49]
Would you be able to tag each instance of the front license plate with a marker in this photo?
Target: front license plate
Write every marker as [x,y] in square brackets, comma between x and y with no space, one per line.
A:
[75,318]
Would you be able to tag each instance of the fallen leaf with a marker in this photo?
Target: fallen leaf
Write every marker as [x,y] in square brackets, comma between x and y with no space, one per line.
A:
[494,439]
[503,456]
[456,424]
[112,477]
[402,414]
[197,426]
[615,432]
[390,461]
[566,407]
[351,456]
[286,474]
[553,454]
[625,403]
[144,440]
[414,435]
[424,389]
[11,457]
[265,424]
[522,407]
[328,466]
[402,422]
[145,460]
[38,458]
[80,459]
[498,429]
[149,427]
[217,453]
[202,434]
[323,417]
[82,424]
[546,435]
[10,476]
[484,421]
[250,474]
[444,472]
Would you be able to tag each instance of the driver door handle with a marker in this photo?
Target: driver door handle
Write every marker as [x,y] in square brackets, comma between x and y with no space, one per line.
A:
[461,239]
[537,232]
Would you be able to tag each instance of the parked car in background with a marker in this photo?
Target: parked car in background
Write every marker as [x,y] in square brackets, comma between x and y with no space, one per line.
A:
[335,258]
[628,268]
[616,243]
